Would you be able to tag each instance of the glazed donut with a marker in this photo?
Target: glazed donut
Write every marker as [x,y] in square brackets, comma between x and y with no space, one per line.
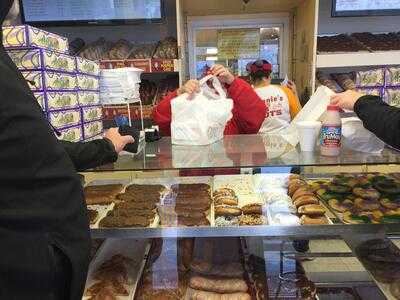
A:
[295,185]
[339,189]
[387,187]
[341,206]
[227,211]
[302,191]
[366,204]
[305,200]
[369,193]
[226,200]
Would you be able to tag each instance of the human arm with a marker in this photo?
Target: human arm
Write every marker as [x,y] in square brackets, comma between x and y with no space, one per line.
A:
[378,117]
[87,155]
[249,110]
[162,112]
[294,103]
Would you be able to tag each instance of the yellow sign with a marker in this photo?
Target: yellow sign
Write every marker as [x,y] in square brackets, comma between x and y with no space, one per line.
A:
[238,43]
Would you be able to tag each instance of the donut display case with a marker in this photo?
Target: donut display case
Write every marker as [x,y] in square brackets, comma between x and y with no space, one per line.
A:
[241,220]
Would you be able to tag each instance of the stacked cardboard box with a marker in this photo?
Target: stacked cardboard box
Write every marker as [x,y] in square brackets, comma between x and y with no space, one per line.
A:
[66,87]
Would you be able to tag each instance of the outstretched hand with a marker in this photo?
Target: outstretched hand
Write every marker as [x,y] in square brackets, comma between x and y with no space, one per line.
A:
[119,141]
[346,100]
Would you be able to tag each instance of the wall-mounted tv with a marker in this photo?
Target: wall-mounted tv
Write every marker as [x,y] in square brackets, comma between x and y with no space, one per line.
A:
[90,12]
[358,8]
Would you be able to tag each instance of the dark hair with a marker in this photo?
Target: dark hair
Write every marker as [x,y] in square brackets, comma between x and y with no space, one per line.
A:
[258,76]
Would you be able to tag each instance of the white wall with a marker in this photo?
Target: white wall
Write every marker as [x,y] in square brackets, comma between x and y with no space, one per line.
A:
[141,33]
[327,24]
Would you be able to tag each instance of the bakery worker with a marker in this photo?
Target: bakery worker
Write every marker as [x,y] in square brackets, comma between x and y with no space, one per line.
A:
[248,109]
[44,230]
[281,101]
[378,117]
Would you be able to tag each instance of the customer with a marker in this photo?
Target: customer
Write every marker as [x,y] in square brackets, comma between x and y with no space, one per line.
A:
[248,109]
[281,101]
[378,117]
[44,231]
[87,155]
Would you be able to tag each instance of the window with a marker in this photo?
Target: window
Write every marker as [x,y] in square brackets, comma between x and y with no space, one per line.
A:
[235,41]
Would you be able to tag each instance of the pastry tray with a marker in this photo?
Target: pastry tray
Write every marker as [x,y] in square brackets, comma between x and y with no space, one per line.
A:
[385,287]
[104,209]
[169,182]
[137,250]
[336,214]
[238,250]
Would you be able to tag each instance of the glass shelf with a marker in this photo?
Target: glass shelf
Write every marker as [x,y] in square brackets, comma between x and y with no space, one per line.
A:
[240,151]
[267,231]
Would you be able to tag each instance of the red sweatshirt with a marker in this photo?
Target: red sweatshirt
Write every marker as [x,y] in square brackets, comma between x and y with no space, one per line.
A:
[248,112]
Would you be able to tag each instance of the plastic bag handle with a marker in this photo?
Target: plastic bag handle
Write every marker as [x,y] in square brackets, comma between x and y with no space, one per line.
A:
[216,84]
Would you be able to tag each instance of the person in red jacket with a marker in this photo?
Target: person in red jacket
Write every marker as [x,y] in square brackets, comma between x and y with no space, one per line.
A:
[248,109]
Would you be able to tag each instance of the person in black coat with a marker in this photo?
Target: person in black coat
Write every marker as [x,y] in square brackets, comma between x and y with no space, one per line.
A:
[44,229]
[377,116]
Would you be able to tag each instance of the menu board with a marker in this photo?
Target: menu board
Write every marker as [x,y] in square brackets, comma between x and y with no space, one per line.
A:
[89,10]
[238,43]
[367,7]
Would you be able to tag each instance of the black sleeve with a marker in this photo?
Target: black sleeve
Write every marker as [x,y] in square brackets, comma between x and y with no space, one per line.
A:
[86,155]
[380,118]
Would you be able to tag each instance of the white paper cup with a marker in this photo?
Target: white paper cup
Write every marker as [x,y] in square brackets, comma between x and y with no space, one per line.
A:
[308,134]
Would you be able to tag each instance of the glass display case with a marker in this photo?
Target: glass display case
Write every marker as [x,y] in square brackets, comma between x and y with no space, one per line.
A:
[249,217]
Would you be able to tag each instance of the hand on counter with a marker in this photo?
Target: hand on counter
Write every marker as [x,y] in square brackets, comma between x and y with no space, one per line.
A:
[117,139]
[346,100]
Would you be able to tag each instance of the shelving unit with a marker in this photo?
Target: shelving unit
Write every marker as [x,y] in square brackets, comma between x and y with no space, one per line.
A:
[360,59]
[147,65]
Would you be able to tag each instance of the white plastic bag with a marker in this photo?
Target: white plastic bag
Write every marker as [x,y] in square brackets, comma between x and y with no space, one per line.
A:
[312,111]
[357,138]
[201,120]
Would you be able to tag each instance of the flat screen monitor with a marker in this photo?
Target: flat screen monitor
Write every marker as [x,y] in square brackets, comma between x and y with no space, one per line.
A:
[354,8]
[84,12]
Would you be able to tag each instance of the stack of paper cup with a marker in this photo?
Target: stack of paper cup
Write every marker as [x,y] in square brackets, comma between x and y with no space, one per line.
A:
[308,134]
